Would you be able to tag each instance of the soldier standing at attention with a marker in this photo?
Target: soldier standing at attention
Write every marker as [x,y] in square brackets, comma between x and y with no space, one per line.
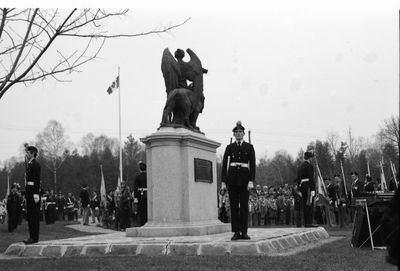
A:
[238,173]
[140,193]
[305,176]
[32,189]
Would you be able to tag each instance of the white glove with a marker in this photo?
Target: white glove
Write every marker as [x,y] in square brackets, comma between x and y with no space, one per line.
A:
[312,193]
[250,185]
[223,185]
[36,198]
[135,200]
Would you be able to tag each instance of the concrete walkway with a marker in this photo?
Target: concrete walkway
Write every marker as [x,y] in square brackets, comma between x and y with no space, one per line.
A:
[271,241]
[91,228]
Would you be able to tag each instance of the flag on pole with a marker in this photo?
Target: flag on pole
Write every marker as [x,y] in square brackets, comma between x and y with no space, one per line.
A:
[8,186]
[321,195]
[322,192]
[119,182]
[393,168]
[114,85]
[103,194]
[383,180]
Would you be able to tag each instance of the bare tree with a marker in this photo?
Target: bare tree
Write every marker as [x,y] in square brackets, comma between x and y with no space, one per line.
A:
[52,143]
[28,49]
[333,140]
[91,143]
[354,145]
[390,132]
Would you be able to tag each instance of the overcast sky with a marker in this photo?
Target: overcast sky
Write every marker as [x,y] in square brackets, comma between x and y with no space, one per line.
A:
[291,71]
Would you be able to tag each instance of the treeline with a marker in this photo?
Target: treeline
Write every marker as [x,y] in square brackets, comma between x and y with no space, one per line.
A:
[66,169]
[282,167]
[66,166]
[355,153]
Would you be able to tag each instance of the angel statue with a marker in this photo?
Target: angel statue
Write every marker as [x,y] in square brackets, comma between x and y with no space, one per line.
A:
[184,102]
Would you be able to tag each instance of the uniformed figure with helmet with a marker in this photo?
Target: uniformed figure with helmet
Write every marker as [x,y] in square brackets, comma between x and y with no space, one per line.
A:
[32,195]
[306,184]
[238,173]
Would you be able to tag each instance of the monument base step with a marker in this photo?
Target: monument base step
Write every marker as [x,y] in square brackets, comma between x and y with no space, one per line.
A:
[178,229]
[264,241]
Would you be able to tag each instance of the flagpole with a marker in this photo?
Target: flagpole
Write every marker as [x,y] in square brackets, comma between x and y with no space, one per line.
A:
[120,141]
[344,178]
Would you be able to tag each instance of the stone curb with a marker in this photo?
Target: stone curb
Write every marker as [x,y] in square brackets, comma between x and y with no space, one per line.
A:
[220,245]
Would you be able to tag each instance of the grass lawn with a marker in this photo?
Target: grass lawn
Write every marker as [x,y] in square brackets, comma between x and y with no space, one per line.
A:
[335,256]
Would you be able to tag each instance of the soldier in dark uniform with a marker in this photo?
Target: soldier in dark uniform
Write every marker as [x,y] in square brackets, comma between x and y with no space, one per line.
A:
[61,203]
[51,208]
[32,189]
[305,176]
[369,184]
[298,204]
[140,193]
[13,204]
[238,173]
[124,206]
[357,185]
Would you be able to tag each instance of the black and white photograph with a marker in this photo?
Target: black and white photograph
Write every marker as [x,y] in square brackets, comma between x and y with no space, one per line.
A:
[199,135]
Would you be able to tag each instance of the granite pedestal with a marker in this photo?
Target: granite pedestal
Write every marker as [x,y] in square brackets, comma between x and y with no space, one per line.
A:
[182,185]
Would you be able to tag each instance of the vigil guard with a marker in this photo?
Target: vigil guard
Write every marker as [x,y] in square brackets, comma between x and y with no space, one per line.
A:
[238,173]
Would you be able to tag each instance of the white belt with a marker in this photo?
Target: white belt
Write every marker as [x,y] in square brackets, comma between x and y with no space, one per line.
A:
[304,181]
[30,183]
[236,164]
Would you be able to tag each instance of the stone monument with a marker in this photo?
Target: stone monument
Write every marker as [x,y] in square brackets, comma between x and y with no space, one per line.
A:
[181,160]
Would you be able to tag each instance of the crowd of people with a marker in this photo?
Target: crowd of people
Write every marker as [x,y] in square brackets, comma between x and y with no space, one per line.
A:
[283,206]
[267,206]
[118,210]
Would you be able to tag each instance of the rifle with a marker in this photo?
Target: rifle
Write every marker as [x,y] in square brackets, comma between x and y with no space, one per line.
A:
[250,136]
[309,197]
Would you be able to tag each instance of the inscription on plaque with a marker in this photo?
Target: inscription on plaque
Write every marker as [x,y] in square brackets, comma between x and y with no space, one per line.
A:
[203,170]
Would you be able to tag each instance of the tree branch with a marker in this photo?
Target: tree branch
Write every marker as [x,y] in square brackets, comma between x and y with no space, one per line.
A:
[2,88]
[165,29]
[24,53]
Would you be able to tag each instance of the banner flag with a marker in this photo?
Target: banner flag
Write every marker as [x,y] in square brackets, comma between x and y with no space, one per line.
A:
[114,85]
[8,186]
[383,180]
[103,193]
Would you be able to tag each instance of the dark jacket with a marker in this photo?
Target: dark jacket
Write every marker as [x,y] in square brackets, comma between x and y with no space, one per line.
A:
[235,175]
[85,198]
[306,171]
[357,188]
[140,182]
[95,202]
[32,176]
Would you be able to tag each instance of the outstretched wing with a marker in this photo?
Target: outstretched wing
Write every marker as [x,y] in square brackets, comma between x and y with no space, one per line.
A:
[170,70]
[194,62]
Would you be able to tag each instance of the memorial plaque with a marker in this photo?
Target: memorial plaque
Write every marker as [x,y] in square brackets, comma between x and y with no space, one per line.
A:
[203,170]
